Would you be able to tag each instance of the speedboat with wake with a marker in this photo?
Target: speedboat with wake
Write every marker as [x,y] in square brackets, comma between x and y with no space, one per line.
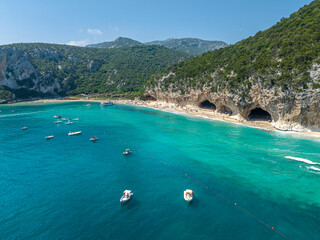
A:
[127,195]
[24,128]
[49,137]
[74,133]
[188,195]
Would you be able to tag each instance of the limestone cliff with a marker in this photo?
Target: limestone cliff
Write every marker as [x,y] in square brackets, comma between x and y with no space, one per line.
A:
[288,110]
[41,69]
[17,72]
[275,73]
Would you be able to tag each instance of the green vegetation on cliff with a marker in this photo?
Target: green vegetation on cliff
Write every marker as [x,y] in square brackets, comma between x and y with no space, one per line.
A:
[81,70]
[280,56]
[5,94]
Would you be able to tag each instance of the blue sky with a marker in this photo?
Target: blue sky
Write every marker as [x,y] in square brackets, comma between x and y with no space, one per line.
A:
[83,22]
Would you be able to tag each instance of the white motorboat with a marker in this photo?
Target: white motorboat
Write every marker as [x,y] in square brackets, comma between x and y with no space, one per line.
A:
[93,139]
[65,119]
[76,119]
[49,137]
[127,152]
[57,116]
[68,122]
[127,195]
[188,195]
[74,133]
[24,128]
[57,122]
[103,104]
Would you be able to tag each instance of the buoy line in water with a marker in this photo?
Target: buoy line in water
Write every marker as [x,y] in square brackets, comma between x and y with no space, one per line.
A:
[223,198]
[227,200]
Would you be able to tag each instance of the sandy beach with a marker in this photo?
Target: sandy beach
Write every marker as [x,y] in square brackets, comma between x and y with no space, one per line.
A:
[191,111]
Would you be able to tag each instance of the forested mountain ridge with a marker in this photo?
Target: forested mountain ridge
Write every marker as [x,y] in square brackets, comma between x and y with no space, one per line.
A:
[192,46]
[40,69]
[117,43]
[281,63]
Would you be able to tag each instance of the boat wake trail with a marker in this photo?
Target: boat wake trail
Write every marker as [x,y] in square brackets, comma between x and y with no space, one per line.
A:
[19,114]
[313,168]
[301,160]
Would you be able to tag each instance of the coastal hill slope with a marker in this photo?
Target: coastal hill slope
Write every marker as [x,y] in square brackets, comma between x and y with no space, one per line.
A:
[40,69]
[277,71]
[192,46]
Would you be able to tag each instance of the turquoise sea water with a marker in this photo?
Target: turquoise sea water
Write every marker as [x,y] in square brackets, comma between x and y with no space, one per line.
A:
[69,187]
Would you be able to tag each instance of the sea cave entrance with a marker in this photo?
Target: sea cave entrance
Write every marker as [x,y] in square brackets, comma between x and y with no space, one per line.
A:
[150,98]
[225,110]
[207,105]
[259,114]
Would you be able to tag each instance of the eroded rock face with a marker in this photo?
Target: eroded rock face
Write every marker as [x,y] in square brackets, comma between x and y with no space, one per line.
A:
[289,111]
[17,72]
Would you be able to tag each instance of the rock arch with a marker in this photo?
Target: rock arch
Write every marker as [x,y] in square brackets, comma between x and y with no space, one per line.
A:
[258,114]
[226,110]
[206,104]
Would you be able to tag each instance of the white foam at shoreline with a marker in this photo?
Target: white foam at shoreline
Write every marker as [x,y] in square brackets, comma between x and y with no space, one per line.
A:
[301,160]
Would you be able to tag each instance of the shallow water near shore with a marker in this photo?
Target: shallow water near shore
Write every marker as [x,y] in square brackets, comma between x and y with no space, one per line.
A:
[69,187]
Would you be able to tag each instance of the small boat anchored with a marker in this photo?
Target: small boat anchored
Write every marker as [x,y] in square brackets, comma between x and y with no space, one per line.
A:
[94,139]
[49,137]
[103,104]
[57,122]
[74,133]
[127,152]
[57,116]
[68,122]
[76,119]
[88,105]
[127,195]
[24,128]
[188,195]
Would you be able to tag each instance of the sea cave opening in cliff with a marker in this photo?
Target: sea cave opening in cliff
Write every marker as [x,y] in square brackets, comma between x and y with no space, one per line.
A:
[225,110]
[150,98]
[207,105]
[259,114]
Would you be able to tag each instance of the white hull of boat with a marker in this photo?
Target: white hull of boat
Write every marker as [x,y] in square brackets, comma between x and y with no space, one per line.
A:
[74,133]
[188,195]
[104,104]
[126,199]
